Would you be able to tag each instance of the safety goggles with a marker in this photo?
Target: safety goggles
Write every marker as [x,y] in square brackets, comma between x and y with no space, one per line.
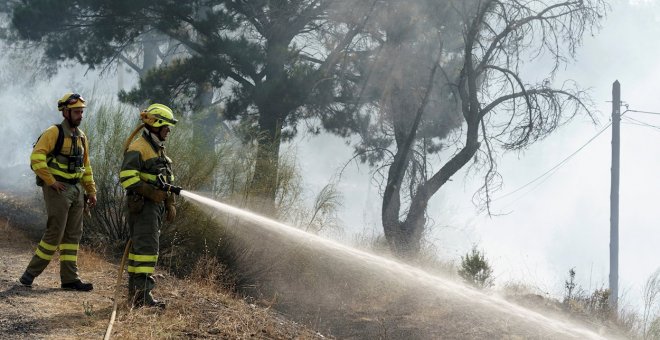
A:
[165,119]
[74,98]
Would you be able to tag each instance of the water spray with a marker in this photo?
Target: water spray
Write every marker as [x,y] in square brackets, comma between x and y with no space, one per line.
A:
[404,270]
[382,263]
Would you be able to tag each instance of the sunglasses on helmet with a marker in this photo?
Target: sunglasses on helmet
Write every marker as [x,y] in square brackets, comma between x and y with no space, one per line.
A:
[74,98]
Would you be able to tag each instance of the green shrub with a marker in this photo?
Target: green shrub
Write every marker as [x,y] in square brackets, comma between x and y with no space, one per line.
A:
[475,269]
[107,126]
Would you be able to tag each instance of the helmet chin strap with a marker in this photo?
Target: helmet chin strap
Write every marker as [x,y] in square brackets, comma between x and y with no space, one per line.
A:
[160,129]
[155,131]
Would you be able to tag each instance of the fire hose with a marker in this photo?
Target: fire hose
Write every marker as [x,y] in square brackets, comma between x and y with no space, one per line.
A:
[162,185]
[108,331]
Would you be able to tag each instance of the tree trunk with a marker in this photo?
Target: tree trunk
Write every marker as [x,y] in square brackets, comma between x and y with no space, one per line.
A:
[403,237]
[205,120]
[150,55]
[271,100]
[392,203]
[264,179]
[410,240]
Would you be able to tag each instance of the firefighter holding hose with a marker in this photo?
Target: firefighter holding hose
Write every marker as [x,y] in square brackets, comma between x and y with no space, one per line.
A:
[146,174]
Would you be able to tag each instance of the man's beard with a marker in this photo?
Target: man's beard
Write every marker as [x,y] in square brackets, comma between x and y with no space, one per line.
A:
[74,123]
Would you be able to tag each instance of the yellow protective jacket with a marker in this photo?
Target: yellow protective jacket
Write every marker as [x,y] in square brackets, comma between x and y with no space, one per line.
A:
[143,161]
[51,168]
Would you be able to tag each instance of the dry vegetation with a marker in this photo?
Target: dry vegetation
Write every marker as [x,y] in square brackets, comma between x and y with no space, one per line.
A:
[327,291]
[351,296]
[197,307]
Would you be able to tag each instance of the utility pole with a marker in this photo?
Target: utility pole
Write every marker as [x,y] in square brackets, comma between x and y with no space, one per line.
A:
[614,197]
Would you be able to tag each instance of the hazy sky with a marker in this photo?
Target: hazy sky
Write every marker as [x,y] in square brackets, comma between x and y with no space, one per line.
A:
[562,221]
[552,225]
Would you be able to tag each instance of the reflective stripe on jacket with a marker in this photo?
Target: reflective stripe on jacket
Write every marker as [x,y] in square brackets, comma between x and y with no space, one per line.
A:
[143,161]
[47,166]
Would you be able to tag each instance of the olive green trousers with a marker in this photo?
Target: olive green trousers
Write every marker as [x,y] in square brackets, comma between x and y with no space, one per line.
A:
[145,219]
[63,232]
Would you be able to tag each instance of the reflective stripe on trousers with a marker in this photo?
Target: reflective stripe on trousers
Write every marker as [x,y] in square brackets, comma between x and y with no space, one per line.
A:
[63,231]
[145,233]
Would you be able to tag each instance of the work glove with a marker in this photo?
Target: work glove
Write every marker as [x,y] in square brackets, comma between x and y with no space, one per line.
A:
[169,206]
[151,192]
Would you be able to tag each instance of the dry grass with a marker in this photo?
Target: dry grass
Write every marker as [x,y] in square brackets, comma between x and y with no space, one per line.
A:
[326,290]
[197,308]
[579,309]
[9,237]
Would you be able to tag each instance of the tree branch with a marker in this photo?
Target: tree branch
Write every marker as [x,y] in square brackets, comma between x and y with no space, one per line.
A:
[130,63]
[513,25]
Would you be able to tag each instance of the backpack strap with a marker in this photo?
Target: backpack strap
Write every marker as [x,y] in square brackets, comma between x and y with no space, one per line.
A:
[83,140]
[60,141]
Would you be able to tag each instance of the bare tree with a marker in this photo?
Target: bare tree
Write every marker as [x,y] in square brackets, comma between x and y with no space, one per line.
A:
[495,108]
[501,110]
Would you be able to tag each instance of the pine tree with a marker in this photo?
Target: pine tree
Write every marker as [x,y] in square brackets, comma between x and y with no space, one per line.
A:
[257,50]
[475,269]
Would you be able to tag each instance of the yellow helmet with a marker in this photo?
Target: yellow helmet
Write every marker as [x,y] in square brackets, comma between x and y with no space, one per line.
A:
[70,100]
[158,115]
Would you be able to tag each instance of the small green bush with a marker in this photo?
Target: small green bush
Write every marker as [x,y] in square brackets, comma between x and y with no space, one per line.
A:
[475,269]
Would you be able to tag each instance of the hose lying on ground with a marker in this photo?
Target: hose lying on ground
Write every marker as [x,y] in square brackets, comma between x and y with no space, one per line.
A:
[108,331]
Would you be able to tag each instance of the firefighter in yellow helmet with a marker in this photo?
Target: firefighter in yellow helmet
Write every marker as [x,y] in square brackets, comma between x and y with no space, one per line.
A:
[144,162]
[60,159]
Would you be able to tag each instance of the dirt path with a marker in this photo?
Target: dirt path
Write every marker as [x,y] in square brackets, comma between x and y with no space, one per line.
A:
[46,311]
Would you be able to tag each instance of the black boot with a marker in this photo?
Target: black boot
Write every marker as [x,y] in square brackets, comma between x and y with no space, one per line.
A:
[78,285]
[131,288]
[26,279]
[145,299]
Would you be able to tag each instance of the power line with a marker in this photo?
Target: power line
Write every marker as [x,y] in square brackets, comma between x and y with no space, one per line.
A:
[649,112]
[626,122]
[538,184]
[642,123]
[551,170]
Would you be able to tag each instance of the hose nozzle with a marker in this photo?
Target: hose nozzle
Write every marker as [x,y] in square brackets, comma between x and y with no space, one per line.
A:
[163,185]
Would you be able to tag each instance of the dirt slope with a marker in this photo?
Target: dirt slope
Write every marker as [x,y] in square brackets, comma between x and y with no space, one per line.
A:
[195,309]
[339,296]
